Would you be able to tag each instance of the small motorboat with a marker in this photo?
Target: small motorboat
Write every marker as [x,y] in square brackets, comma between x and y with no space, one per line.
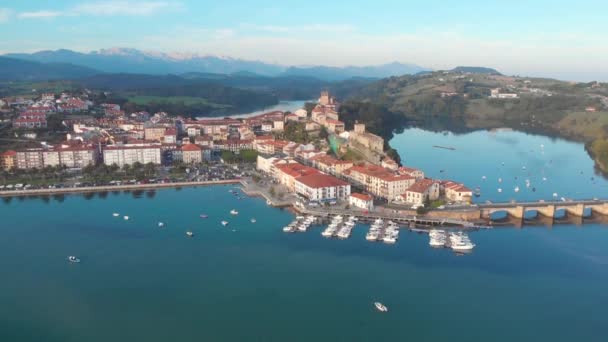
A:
[380,307]
[189,234]
[116,214]
[203,216]
[516,189]
[499,180]
[499,190]
[160,224]
[234,212]
[126,218]
[73,259]
[224,223]
[253,220]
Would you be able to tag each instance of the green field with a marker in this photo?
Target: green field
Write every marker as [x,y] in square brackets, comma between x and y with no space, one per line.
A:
[185,100]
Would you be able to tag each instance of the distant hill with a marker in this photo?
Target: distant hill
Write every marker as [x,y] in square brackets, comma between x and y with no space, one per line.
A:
[342,73]
[476,70]
[125,60]
[12,69]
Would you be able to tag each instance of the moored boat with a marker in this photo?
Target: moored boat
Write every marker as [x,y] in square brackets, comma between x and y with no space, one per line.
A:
[380,307]
[73,259]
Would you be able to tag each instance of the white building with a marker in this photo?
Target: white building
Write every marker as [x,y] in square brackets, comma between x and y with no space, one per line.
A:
[322,188]
[361,201]
[128,154]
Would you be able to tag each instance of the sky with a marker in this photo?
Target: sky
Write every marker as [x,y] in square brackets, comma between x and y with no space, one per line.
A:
[555,38]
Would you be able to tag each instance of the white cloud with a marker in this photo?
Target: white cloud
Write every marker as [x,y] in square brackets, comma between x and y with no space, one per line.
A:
[322,28]
[5,14]
[105,8]
[128,8]
[39,14]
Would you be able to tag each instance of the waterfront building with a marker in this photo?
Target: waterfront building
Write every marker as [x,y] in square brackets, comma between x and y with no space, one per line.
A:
[322,188]
[410,171]
[330,165]
[379,181]
[192,154]
[29,159]
[421,191]
[456,192]
[361,201]
[8,160]
[131,153]
[286,174]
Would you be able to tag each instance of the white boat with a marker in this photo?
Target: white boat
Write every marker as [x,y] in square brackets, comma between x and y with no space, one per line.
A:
[372,235]
[288,229]
[126,218]
[460,242]
[499,190]
[499,180]
[234,212]
[389,238]
[516,189]
[438,238]
[380,307]
[328,232]
[73,259]
[190,234]
[160,224]
[253,220]
[299,217]
[224,223]
[302,228]
[116,214]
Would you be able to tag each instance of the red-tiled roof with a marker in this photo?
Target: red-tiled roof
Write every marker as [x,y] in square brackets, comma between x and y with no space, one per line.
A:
[9,153]
[191,148]
[363,197]
[378,172]
[297,169]
[421,185]
[320,181]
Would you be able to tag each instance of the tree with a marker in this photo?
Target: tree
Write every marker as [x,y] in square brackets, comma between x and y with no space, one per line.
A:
[149,169]
[323,134]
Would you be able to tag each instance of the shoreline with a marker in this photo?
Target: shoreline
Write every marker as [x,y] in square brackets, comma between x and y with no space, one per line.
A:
[21,193]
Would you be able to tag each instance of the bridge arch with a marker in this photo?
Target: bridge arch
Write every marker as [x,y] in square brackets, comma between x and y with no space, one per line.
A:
[499,215]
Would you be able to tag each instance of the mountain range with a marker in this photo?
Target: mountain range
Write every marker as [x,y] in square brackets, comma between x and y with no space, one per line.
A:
[126,60]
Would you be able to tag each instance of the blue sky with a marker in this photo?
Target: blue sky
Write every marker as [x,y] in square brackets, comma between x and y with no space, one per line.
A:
[536,37]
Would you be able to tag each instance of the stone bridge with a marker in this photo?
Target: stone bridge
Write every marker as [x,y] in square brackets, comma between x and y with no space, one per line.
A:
[546,209]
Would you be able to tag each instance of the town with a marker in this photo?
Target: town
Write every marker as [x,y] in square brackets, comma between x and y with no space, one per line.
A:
[308,153]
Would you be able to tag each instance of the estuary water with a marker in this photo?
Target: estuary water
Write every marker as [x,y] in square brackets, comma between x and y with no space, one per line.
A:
[252,282]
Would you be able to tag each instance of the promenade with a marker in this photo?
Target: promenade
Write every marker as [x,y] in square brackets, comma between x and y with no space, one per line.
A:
[75,190]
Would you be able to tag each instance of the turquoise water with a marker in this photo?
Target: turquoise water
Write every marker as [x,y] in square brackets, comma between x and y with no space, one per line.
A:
[513,157]
[252,282]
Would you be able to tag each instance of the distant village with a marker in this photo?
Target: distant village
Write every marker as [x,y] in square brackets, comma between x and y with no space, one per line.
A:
[312,170]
